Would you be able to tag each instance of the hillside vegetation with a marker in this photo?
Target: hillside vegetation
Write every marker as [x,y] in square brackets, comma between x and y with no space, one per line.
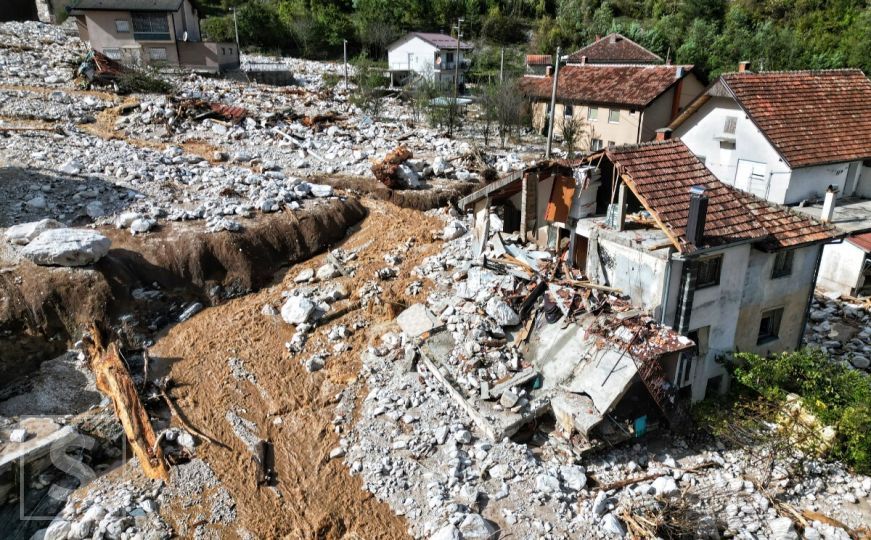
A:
[711,34]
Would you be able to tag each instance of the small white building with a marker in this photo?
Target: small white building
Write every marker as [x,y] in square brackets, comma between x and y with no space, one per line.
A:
[790,138]
[729,271]
[437,57]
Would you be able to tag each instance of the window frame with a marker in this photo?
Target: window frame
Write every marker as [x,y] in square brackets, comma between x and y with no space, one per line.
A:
[151,57]
[113,53]
[784,269]
[126,24]
[592,114]
[152,26]
[593,146]
[611,113]
[772,333]
[713,282]
[568,110]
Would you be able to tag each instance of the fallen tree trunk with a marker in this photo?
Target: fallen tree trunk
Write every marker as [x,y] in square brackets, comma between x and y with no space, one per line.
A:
[114,381]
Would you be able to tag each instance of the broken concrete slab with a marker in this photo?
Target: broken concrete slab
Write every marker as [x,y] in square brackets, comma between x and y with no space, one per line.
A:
[416,320]
[23,233]
[67,247]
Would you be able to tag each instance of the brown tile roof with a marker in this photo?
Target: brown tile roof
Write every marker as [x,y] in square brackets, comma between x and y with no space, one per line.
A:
[442,41]
[539,60]
[628,86]
[811,117]
[661,175]
[615,49]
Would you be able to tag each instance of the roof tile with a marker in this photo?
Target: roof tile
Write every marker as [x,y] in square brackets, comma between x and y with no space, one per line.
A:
[615,49]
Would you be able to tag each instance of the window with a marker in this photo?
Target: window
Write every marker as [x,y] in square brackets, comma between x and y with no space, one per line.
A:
[568,110]
[112,54]
[782,264]
[592,114]
[223,51]
[610,144]
[709,272]
[450,57]
[595,144]
[157,53]
[769,326]
[727,145]
[122,26]
[151,26]
[613,116]
[730,124]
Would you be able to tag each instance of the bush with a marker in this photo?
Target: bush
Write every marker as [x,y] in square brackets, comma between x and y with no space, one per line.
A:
[503,29]
[142,81]
[219,28]
[837,395]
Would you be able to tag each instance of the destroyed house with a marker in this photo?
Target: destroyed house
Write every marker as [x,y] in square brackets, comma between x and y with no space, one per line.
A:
[726,269]
[614,104]
[156,32]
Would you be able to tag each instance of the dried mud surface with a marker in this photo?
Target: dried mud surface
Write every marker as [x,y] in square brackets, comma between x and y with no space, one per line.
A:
[291,407]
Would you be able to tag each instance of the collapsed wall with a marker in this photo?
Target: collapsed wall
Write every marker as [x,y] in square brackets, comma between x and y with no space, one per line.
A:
[145,282]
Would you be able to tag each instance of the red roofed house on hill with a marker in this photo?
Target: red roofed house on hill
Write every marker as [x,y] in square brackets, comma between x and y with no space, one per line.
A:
[797,138]
[430,55]
[619,103]
[729,270]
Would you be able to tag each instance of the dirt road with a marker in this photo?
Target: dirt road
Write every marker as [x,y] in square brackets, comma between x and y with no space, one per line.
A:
[291,407]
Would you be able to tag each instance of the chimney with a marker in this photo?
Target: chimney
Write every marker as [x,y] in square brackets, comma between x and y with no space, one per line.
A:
[697,216]
[548,71]
[583,60]
[613,38]
[678,72]
[598,37]
[744,66]
[663,134]
[829,205]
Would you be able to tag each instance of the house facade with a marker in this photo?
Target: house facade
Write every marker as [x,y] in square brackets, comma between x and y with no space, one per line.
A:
[729,271]
[156,32]
[435,57]
[616,104]
[795,138]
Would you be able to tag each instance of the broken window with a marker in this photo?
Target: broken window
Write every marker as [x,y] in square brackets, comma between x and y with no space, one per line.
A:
[595,144]
[122,26]
[151,26]
[769,326]
[592,114]
[730,124]
[782,264]
[613,116]
[709,272]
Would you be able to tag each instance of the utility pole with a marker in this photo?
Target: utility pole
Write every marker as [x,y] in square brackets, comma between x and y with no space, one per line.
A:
[345,54]
[552,105]
[502,65]
[236,27]
[455,106]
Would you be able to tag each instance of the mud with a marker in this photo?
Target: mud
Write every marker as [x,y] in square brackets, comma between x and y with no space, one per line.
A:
[145,282]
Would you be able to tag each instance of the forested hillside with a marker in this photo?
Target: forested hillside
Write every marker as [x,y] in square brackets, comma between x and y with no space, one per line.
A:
[712,34]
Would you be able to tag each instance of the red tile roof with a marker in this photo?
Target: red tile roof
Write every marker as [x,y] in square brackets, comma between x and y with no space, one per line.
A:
[661,175]
[628,86]
[615,49]
[539,60]
[862,241]
[811,117]
[442,41]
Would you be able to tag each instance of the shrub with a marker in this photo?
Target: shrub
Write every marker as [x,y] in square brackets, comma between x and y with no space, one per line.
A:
[144,81]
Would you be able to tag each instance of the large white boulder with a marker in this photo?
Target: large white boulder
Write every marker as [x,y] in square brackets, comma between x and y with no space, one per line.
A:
[501,312]
[23,233]
[297,309]
[476,527]
[67,247]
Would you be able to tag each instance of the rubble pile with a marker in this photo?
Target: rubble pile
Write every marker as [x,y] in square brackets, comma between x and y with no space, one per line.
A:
[34,53]
[842,330]
[54,106]
[420,451]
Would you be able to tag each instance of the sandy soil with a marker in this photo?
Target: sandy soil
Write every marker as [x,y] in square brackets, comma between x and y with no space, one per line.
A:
[291,407]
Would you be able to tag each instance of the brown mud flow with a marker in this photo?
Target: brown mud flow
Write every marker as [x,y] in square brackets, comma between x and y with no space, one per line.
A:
[145,281]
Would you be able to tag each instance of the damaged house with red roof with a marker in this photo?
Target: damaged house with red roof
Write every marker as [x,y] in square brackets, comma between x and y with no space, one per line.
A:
[697,255]
[800,138]
[621,92]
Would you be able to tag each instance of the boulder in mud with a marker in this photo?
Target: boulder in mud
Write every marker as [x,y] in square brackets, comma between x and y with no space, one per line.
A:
[23,233]
[67,247]
[297,310]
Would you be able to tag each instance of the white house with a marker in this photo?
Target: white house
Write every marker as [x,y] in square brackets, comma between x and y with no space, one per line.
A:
[784,136]
[791,138]
[437,57]
[730,271]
